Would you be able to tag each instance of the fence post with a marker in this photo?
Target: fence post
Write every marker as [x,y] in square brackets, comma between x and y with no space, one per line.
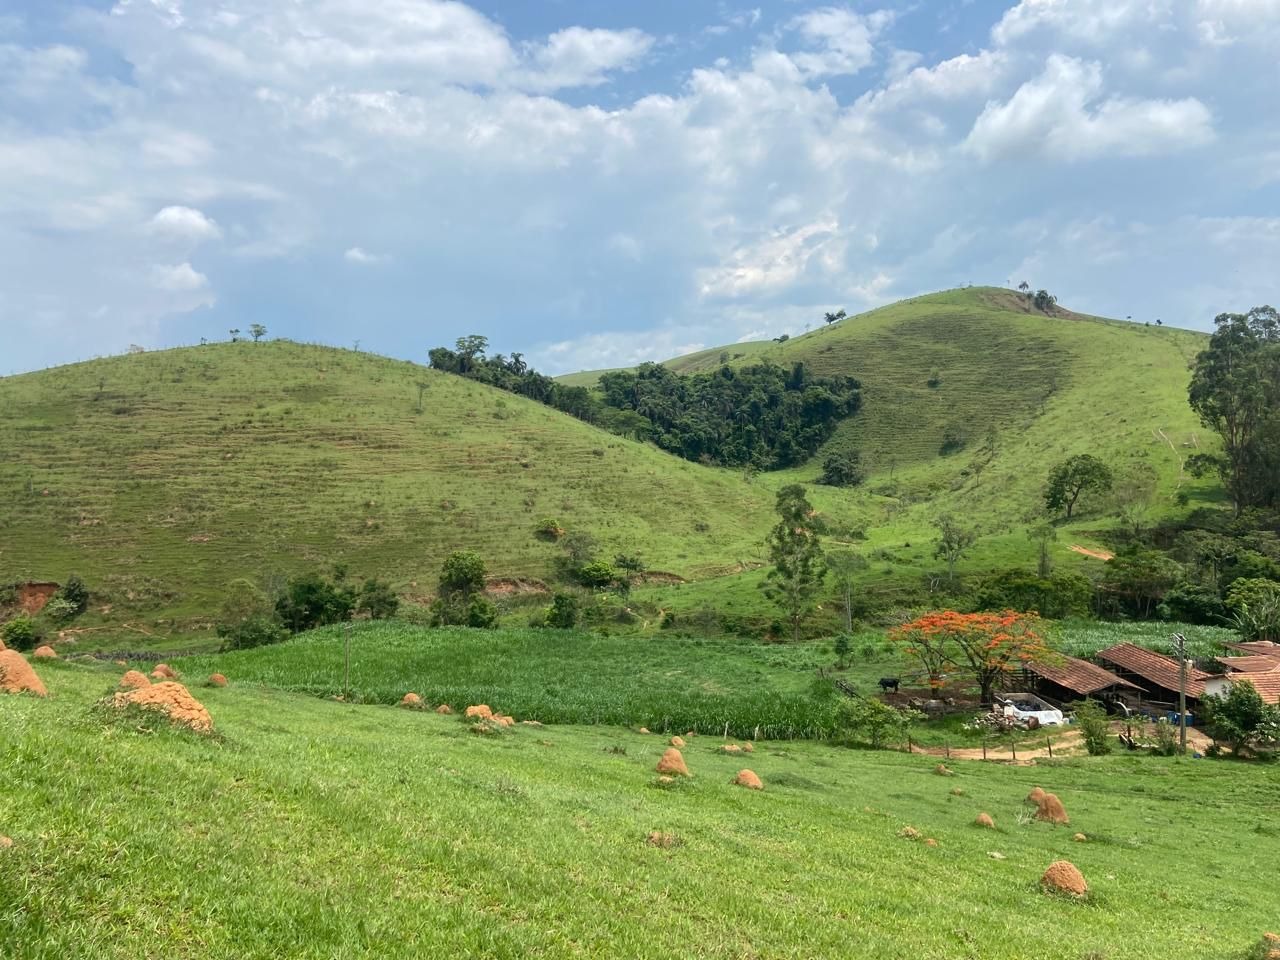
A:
[1049,743]
[1013,745]
[984,748]
[910,747]
[946,749]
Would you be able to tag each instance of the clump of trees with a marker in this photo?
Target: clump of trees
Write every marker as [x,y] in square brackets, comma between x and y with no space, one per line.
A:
[460,598]
[1235,388]
[764,415]
[1242,719]
[843,468]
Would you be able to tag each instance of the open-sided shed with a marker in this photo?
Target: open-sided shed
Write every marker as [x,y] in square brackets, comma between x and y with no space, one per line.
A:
[1155,674]
[1066,679]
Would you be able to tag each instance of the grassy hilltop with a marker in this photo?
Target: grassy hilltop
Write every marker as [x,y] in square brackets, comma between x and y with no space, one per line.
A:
[314,829]
[161,476]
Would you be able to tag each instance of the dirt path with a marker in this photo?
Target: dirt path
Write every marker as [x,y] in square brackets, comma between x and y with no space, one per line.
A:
[1068,744]
[1096,554]
[1065,745]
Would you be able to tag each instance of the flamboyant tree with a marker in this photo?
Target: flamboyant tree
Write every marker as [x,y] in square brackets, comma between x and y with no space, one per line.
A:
[984,646]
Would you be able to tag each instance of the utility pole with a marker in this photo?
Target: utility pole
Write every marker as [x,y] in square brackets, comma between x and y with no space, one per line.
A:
[1180,644]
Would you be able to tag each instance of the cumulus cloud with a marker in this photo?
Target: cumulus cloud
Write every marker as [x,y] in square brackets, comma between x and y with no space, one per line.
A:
[178,278]
[578,57]
[844,40]
[1059,115]
[745,189]
[184,223]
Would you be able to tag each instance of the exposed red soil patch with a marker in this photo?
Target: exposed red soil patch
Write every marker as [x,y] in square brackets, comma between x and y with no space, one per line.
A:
[672,764]
[411,700]
[33,596]
[984,820]
[45,653]
[748,779]
[171,699]
[217,680]
[1096,554]
[1063,876]
[133,680]
[164,672]
[479,711]
[16,675]
[1051,810]
[515,587]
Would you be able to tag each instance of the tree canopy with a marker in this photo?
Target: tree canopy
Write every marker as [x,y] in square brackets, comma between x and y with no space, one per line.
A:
[796,553]
[1074,477]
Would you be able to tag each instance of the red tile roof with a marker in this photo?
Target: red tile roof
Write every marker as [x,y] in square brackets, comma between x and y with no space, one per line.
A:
[1254,664]
[1267,684]
[1080,676]
[1157,669]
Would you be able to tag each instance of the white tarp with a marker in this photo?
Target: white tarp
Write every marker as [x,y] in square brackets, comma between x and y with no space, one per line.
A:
[1024,706]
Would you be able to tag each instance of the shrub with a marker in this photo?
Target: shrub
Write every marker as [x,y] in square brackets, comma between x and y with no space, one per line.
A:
[563,613]
[1192,603]
[1092,718]
[597,574]
[21,633]
[1165,737]
[377,600]
[257,631]
[1237,718]
[481,613]
[60,609]
[873,722]
[461,601]
[1059,596]
[76,594]
[548,529]
[311,601]
[842,648]
[843,469]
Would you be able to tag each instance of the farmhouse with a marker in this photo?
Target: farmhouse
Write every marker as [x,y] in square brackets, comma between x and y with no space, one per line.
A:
[1156,675]
[1067,680]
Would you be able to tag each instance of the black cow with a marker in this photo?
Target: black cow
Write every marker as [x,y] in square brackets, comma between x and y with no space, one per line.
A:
[888,683]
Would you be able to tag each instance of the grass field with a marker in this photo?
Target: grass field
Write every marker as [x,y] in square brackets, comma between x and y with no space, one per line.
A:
[313,829]
[160,477]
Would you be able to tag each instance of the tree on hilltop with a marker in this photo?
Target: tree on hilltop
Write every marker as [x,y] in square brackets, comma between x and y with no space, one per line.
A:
[257,331]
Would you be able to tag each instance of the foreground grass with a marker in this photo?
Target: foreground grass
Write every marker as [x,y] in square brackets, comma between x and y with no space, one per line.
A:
[311,829]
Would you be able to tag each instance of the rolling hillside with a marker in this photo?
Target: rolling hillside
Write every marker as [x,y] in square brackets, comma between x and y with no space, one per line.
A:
[159,477]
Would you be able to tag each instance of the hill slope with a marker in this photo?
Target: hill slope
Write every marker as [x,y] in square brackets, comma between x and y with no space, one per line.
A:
[314,829]
[161,476]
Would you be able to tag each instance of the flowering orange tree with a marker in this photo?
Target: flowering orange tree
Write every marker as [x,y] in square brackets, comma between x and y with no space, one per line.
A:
[986,646]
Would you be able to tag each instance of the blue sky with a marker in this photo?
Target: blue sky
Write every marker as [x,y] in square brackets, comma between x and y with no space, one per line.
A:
[598,183]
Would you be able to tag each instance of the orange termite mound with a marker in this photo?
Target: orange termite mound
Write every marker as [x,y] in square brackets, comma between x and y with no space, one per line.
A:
[1035,796]
[479,711]
[930,842]
[171,699]
[411,700]
[133,680]
[730,748]
[164,672]
[505,721]
[665,841]
[1051,810]
[672,764]
[677,741]
[444,710]
[984,820]
[1064,877]
[748,747]
[644,730]
[217,680]
[748,779]
[943,770]
[45,653]
[16,675]
[5,843]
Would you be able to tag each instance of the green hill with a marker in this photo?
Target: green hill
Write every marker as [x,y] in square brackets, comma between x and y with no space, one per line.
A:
[312,829]
[159,477]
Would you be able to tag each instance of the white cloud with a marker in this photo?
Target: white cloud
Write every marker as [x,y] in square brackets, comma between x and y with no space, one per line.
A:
[845,40]
[774,264]
[184,223]
[1058,116]
[178,278]
[578,57]
[359,255]
[1088,20]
